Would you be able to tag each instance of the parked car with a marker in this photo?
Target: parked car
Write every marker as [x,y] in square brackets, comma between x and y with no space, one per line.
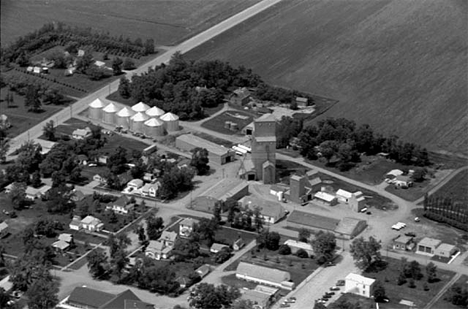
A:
[416,219]
[334,288]
[340,283]
[410,234]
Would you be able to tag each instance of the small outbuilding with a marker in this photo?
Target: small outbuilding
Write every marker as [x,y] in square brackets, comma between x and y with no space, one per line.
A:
[427,246]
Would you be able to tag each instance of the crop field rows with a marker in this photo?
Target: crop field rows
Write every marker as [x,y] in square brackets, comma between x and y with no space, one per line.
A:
[397,65]
[167,22]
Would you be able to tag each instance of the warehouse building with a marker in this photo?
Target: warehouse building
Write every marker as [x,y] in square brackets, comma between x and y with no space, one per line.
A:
[216,153]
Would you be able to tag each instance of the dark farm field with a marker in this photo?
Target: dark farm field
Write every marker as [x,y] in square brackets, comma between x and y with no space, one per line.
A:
[456,188]
[167,22]
[398,65]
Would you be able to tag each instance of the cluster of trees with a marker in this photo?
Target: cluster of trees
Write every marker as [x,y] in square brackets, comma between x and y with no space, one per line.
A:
[206,295]
[268,240]
[200,161]
[286,129]
[445,209]
[266,92]
[244,218]
[173,87]
[457,295]
[409,272]
[341,142]
[31,272]
[52,34]
[365,252]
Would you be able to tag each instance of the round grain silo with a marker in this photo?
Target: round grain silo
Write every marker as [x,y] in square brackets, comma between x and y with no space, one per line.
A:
[154,127]
[137,122]
[123,117]
[108,113]
[140,107]
[171,122]
[154,112]
[95,109]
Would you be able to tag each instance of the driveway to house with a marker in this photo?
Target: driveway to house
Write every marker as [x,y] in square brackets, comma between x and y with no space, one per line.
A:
[183,47]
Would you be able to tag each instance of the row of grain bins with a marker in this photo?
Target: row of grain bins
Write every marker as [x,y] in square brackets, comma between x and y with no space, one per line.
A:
[140,118]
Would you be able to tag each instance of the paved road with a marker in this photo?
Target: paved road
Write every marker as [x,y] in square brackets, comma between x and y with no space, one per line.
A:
[184,47]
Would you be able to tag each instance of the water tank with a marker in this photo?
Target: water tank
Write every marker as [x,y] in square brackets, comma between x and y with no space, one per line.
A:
[155,112]
[123,117]
[171,122]
[140,107]
[108,113]
[137,121]
[95,109]
[154,127]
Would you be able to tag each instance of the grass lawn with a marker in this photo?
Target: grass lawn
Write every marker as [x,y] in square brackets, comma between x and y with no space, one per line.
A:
[385,62]
[18,115]
[217,123]
[297,267]
[167,22]
[411,194]
[456,188]
[366,303]
[441,303]
[396,293]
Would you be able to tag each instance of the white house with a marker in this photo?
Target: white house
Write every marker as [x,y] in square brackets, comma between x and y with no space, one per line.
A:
[150,189]
[75,224]
[82,133]
[121,206]
[157,250]
[92,224]
[186,226]
[343,196]
[359,285]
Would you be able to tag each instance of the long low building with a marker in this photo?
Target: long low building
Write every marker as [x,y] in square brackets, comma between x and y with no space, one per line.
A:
[264,275]
[216,153]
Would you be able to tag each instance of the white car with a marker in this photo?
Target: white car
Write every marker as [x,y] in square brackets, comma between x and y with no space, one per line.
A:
[398,226]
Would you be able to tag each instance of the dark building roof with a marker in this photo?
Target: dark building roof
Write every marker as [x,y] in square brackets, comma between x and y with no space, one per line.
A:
[312,220]
[91,298]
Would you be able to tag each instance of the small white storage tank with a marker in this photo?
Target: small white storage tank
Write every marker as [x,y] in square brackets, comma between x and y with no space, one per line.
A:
[171,122]
[108,113]
[154,127]
[123,117]
[95,109]
[155,112]
[140,107]
[137,122]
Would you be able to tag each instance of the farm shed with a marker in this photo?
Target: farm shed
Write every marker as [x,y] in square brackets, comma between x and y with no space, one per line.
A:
[216,153]
[300,219]
[263,275]
[350,227]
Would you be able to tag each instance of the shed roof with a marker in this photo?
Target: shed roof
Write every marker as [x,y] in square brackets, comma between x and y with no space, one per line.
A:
[262,272]
[197,141]
[298,244]
[90,219]
[445,247]
[348,225]
[3,226]
[324,196]
[429,242]
[65,237]
[344,193]
[403,239]
[155,245]
[166,235]
[313,220]
[267,208]
[60,244]
[218,247]
[266,118]
[136,182]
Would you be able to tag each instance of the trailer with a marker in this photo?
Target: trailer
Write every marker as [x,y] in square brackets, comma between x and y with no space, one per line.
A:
[245,148]
[238,149]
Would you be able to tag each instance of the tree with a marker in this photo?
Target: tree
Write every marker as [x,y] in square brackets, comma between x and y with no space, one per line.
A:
[200,161]
[413,270]
[36,180]
[185,250]
[128,64]
[223,255]
[304,235]
[42,294]
[32,99]
[116,162]
[53,96]
[4,148]
[149,46]
[258,219]
[365,252]
[419,174]
[457,295]
[49,130]
[431,272]
[4,298]
[117,67]
[207,296]
[379,291]
[302,254]
[124,87]
[141,234]
[17,195]
[154,225]
[269,240]
[284,250]
[217,212]
[324,245]
[206,230]
[318,305]
[97,262]
[242,304]
[95,73]
[84,62]
[346,304]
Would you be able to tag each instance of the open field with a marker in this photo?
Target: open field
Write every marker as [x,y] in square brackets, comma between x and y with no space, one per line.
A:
[167,22]
[388,63]
[18,115]
[456,188]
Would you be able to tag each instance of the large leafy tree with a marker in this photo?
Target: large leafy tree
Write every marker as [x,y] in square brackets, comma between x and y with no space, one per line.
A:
[379,291]
[42,294]
[324,245]
[117,161]
[364,252]
[206,230]
[17,195]
[32,99]
[431,272]
[207,296]
[269,240]
[49,130]
[154,226]
[97,263]
[4,148]
[200,161]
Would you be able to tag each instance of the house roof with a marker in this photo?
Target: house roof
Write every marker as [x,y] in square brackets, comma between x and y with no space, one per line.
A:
[267,208]
[403,239]
[429,242]
[324,196]
[203,270]
[90,220]
[121,201]
[125,112]
[60,244]
[348,225]
[262,272]
[75,222]
[302,99]
[97,104]
[197,141]
[110,108]
[155,245]
[166,235]
[89,297]
[395,172]
[239,242]
[119,300]
[445,247]
[218,247]
[65,237]
[169,117]
[298,244]
[78,195]
[82,132]
[3,226]
[140,107]
[136,182]
[31,191]
[139,117]
[148,186]
[154,112]
[242,92]
[188,222]
[313,220]
[266,118]
[256,297]
[360,279]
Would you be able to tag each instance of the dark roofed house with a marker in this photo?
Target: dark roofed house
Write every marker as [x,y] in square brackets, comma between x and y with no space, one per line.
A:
[83,297]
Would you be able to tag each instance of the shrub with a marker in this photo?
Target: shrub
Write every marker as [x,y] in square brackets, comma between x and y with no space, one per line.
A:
[284,250]
[302,254]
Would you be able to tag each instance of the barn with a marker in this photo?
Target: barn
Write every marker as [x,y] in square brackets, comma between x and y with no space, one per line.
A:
[216,153]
